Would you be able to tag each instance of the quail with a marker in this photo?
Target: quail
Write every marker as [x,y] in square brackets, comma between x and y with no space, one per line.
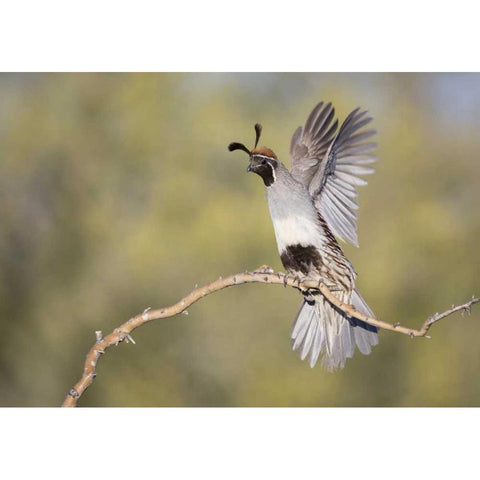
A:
[311,205]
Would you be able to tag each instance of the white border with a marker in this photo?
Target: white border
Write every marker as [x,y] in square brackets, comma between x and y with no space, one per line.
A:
[241,36]
[239,443]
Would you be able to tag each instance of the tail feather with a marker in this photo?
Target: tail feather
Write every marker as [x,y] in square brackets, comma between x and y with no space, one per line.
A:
[366,336]
[320,327]
[317,345]
[299,329]
[347,338]
[307,344]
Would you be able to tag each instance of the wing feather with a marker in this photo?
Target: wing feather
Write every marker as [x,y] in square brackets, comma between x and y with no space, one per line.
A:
[332,166]
[310,143]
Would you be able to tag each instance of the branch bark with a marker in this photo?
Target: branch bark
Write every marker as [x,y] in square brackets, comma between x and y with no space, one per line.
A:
[262,275]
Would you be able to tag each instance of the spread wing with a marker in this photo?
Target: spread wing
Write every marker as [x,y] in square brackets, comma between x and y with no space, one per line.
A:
[310,143]
[332,179]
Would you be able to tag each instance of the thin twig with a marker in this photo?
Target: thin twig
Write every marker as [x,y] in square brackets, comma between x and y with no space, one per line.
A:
[262,275]
[396,327]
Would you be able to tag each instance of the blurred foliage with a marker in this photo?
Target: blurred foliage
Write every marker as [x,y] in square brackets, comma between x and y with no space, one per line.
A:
[117,193]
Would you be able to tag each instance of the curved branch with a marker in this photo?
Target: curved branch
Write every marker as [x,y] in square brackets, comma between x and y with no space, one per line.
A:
[262,275]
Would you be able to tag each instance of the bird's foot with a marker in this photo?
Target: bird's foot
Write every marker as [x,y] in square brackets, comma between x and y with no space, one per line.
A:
[299,286]
[288,277]
[295,279]
[304,290]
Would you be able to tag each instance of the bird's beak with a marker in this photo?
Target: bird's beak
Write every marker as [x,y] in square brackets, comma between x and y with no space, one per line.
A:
[249,168]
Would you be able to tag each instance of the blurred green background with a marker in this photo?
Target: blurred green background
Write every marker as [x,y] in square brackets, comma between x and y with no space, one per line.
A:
[118,193]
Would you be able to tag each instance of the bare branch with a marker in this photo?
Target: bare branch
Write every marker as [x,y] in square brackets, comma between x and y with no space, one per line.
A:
[396,327]
[263,274]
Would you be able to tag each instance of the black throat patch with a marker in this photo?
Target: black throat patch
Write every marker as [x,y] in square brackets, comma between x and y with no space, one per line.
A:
[298,258]
[265,170]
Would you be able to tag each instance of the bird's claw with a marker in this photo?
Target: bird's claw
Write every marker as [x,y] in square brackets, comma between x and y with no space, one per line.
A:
[304,290]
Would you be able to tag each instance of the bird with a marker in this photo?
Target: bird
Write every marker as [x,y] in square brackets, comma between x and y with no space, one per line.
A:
[312,206]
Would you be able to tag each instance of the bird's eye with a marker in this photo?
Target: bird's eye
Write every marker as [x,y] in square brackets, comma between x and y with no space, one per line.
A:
[264,162]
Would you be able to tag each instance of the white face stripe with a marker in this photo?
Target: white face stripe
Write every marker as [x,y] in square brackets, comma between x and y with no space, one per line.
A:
[264,156]
[273,173]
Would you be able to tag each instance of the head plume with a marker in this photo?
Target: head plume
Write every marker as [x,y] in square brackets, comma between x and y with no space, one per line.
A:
[240,146]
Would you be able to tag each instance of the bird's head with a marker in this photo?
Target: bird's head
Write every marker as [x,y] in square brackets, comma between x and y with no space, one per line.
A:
[263,160]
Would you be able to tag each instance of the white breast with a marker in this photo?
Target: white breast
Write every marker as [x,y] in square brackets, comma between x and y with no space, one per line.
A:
[294,216]
[293,230]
